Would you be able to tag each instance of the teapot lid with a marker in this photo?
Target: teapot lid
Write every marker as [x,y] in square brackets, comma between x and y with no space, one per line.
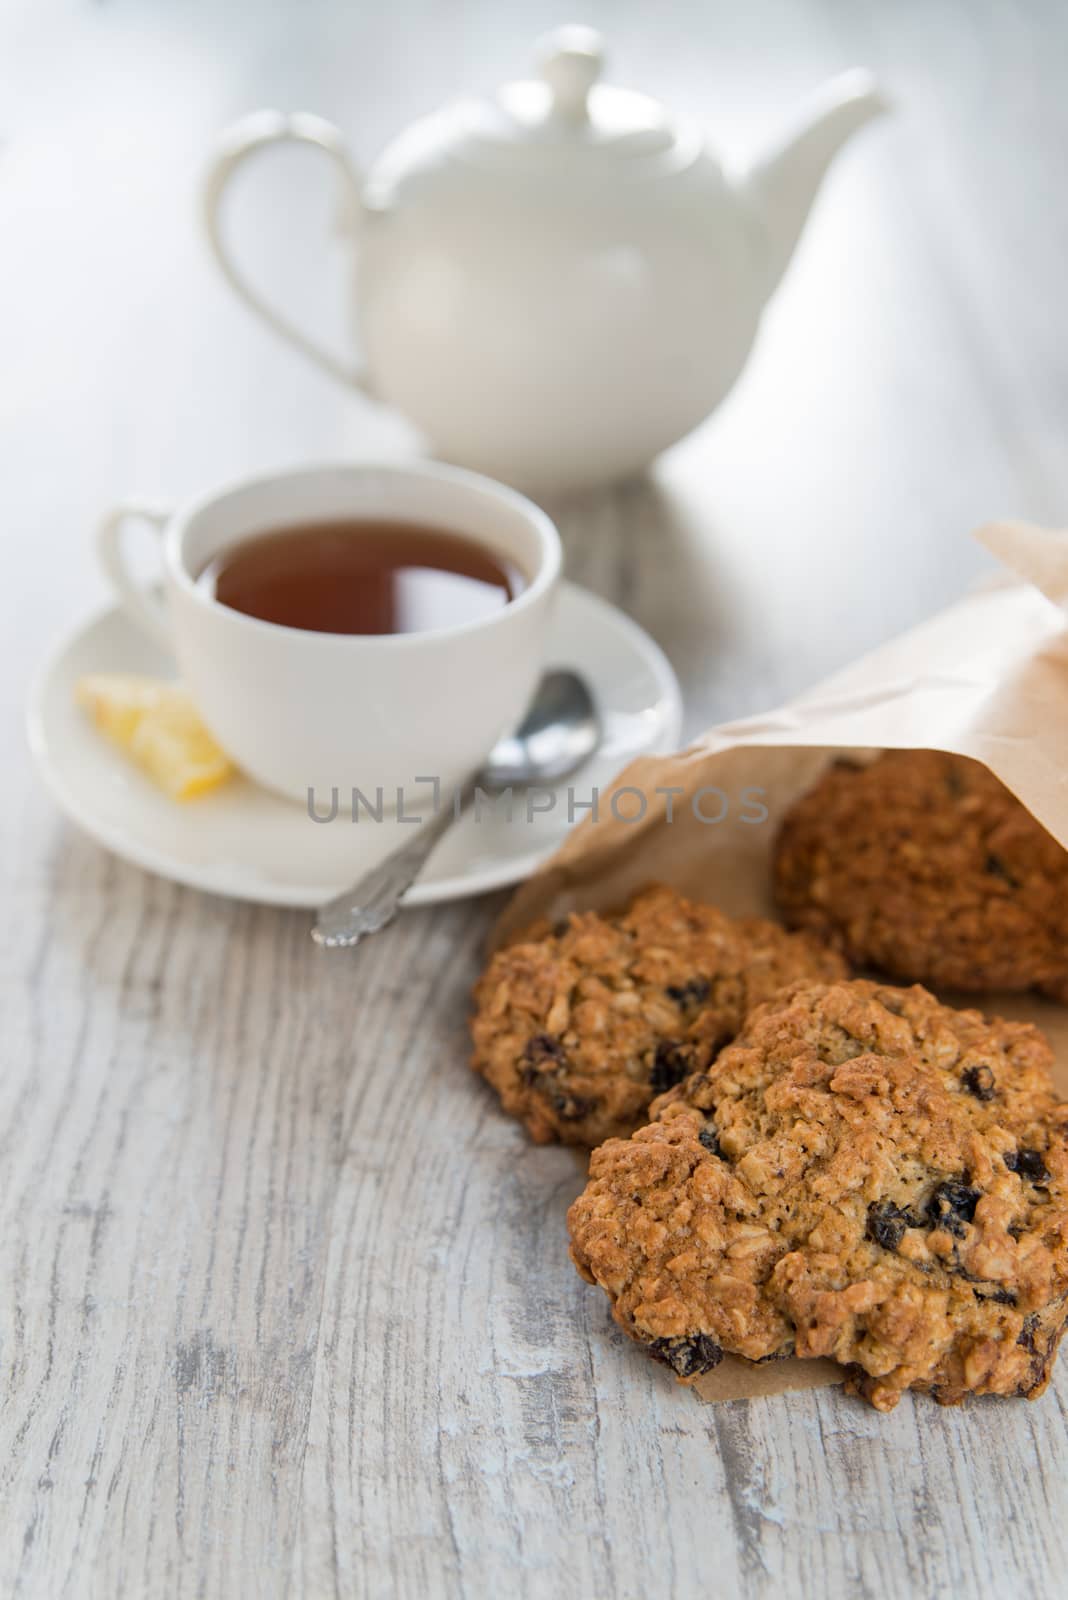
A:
[564,116]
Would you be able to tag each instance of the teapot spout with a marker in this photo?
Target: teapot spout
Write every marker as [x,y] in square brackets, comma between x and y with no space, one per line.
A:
[779,190]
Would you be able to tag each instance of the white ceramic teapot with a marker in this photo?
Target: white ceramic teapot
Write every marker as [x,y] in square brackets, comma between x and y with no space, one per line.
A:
[557,284]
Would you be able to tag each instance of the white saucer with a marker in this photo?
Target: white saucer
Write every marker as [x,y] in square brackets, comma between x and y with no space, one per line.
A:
[244,842]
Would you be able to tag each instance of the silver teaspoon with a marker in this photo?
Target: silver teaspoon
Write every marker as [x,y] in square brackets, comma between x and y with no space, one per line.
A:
[561,728]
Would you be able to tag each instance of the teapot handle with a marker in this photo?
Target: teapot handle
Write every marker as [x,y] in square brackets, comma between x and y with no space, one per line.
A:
[243,139]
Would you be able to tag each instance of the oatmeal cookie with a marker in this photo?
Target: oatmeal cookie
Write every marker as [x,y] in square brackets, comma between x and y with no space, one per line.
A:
[864,1174]
[925,866]
[578,1030]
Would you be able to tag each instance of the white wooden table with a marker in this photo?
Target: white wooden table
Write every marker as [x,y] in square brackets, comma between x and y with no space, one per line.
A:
[284,1304]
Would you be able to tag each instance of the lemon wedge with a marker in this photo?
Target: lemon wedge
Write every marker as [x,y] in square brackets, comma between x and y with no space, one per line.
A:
[156,724]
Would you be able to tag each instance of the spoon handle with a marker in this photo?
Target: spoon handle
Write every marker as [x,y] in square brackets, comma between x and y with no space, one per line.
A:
[375,899]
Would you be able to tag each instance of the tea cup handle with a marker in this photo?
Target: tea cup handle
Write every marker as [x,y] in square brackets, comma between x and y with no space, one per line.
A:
[257,132]
[139,603]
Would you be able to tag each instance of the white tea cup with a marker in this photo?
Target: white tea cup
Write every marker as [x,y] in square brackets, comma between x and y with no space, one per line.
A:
[304,711]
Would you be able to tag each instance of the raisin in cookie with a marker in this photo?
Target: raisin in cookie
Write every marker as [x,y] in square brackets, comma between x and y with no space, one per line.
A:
[863,1174]
[925,866]
[578,1030]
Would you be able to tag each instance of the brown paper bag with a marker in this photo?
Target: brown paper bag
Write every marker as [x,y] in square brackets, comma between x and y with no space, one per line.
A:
[986,678]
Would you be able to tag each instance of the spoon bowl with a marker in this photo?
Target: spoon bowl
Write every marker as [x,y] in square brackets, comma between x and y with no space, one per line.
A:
[560,731]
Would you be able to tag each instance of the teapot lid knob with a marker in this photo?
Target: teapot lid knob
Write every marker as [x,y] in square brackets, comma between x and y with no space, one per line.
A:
[570,60]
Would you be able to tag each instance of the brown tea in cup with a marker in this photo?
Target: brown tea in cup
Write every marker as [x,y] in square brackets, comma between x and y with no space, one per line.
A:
[361,576]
